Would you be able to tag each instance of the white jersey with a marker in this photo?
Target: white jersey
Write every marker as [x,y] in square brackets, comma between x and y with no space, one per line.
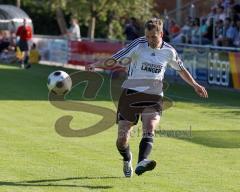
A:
[75,32]
[148,65]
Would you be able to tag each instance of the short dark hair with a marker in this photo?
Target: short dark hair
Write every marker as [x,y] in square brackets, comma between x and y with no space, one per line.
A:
[154,23]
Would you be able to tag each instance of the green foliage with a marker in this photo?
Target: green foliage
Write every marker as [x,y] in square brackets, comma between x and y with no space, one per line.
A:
[111,12]
[117,32]
[43,16]
[10,2]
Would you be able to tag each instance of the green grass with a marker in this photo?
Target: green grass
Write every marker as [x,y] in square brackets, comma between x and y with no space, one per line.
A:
[34,157]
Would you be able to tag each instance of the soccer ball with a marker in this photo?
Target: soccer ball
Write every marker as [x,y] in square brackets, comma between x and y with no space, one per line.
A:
[59,82]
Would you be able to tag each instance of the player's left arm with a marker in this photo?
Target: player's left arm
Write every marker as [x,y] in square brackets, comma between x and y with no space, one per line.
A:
[187,77]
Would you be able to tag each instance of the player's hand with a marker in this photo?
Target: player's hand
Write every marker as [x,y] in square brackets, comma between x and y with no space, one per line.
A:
[201,91]
[90,67]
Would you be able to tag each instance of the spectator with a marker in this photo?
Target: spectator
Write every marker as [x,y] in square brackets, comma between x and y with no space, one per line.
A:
[34,55]
[234,15]
[237,36]
[4,41]
[7,48]
[219,29]
[203,31]
[74,31]
[25,34]
[166,37]
[219,4]
[220,15]
[209,34]
[195,32]
[131,29]
[185,35]
[174,29]
[212,14]
[229,33]
[19,54]
[231,5]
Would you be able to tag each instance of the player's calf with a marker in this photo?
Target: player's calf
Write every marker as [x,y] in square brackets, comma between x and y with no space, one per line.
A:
[123,147]
[145,148]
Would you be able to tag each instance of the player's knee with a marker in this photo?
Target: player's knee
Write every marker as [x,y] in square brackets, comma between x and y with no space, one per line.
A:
[148,134]
[149,129]
[154,117]
[122,142]
[125,125]
[150,122]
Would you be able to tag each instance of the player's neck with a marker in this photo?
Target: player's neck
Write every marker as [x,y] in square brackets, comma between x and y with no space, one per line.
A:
[159,46]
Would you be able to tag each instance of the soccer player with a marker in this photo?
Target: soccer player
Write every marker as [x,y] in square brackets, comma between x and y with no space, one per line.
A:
[142,92]
[25,33]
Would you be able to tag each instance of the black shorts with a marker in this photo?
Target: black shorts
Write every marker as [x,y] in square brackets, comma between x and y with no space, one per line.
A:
[132,103]
[23,45]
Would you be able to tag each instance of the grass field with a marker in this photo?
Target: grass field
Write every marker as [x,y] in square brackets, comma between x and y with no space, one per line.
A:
[34,157]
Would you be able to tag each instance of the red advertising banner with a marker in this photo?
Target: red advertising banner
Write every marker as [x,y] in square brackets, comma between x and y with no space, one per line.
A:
[86,52]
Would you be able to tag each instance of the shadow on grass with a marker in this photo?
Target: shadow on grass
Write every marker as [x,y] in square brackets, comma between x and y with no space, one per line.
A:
[224,113]
[40,183]
[213,138]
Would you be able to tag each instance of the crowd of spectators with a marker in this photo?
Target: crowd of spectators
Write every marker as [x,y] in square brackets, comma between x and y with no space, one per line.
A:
[7,46]
[16,46]
[221,27]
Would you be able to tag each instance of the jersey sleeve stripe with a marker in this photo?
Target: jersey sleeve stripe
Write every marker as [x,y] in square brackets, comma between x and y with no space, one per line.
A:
[167,45]
[126,50]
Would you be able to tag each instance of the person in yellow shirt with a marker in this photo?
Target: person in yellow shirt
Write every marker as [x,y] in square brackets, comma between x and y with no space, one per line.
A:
[19,54]
[34,55]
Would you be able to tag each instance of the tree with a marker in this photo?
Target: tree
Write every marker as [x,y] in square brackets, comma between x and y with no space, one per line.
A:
[89,11]
[101,18]
[60,16]
[44,17]
[109,11]
[18,3]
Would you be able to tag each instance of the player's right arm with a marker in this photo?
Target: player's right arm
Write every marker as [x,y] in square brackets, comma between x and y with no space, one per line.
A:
[120,59]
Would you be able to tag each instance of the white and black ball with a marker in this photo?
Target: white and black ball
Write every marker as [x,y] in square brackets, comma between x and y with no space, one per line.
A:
[59,82]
